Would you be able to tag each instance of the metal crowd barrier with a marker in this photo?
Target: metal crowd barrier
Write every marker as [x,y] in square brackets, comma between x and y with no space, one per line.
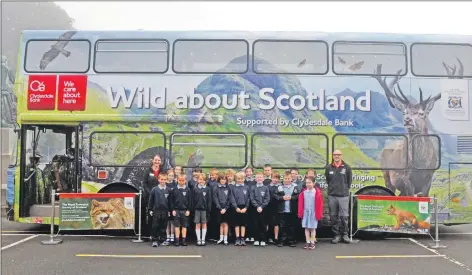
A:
[54,241]
[436,243]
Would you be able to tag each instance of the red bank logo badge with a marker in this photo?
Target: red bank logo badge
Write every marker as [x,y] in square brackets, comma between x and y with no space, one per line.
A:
[42,92]
[72,93]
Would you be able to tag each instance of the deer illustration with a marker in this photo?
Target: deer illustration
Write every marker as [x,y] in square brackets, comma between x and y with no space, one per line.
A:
[411,181]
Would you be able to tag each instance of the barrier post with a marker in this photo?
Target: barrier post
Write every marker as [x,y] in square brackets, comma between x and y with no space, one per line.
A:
[51,240]
[351,214]
[139,240]
[436,225]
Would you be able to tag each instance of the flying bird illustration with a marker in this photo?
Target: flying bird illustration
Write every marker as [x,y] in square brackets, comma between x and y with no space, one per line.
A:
[302,63]
[342,61]
[356,66]
[57,48]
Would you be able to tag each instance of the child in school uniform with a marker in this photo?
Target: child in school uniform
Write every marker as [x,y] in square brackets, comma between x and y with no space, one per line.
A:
[193,182]
[240,202]
[222,200]
[213,179]
[250,181]
[287,195]
[159,206]
[230,181]
[171,184]
[267,174]
[260,198]
[271,212]
[310,210]
[177,170]
[201,198]
[181,204]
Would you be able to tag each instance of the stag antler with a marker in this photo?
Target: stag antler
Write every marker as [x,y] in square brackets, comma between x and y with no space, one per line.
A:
[451,71]
[388,88]
[424,102]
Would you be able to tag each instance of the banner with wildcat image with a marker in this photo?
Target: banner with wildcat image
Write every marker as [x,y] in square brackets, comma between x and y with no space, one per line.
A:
[84,211]
[409,215]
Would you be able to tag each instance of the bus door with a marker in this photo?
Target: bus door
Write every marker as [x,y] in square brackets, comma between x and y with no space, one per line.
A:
[49,160]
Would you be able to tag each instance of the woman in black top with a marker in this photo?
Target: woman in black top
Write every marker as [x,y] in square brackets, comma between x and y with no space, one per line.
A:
[151,175]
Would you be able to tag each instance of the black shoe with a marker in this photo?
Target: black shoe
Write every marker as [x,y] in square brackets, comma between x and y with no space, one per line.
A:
[336,240]
[346,239]
[184,243]
[243,243]
[176,242]
[292,244]
[238,242]
[280,244]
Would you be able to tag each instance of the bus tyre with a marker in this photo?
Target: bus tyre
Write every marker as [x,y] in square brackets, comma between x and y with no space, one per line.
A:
[369,190]
[125,188]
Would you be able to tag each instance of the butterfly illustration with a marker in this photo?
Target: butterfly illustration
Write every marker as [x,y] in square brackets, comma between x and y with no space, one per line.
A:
[354,67]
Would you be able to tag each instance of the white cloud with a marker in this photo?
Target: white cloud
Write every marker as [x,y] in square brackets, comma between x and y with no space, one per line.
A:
[399,17]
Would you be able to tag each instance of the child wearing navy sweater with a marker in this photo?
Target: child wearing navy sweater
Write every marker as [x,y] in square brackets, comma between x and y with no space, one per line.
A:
[201,198]
[181,204]
[260,198]
[159,206]
[222,199]
[240,202]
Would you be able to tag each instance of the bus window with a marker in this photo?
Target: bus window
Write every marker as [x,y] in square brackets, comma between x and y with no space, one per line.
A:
[131,56]
[210,56]
[218,150]
[290,57]
[289,150]
[373,151]
[426,152]
[362,58]
[124,149]
[435,60]
[41,56]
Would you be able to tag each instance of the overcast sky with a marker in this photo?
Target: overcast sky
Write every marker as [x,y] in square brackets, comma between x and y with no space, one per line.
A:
[397,17]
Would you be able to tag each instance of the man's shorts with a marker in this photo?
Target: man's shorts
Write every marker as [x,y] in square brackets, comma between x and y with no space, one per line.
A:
[200,216]
[180,220]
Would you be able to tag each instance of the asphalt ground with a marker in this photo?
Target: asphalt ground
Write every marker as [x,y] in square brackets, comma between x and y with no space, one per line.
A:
[23,253]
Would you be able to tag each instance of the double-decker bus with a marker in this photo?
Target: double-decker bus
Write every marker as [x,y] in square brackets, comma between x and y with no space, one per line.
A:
[94,107]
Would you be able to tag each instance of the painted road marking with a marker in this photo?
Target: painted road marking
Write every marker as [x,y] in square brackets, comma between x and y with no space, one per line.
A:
[20,241]
[446,257]
[138,256]
[390,256]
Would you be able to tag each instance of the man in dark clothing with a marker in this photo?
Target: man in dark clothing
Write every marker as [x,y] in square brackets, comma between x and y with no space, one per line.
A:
[339,177]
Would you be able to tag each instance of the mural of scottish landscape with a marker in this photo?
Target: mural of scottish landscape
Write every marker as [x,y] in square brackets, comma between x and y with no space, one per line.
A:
[410,134]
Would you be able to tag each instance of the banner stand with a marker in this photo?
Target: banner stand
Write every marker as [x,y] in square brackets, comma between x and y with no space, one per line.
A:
[351,214]
[436,225]
[139,240]
[51,240]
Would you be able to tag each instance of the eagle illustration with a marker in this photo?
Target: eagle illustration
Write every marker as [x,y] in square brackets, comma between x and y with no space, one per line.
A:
[57,48]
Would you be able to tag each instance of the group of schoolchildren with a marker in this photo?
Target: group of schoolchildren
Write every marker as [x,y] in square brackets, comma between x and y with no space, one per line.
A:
[234,202]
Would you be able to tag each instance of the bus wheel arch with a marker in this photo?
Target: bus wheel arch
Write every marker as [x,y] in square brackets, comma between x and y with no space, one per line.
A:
[376,190]
[121,187]
[118,187]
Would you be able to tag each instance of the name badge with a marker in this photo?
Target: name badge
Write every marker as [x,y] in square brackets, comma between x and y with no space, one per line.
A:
[331,172]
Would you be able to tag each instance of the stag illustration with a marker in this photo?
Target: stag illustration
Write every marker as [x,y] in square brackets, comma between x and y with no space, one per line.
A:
[411,181]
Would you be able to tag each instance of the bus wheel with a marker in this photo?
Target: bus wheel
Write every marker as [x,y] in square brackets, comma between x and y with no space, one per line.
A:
[369,190]
[120,187]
